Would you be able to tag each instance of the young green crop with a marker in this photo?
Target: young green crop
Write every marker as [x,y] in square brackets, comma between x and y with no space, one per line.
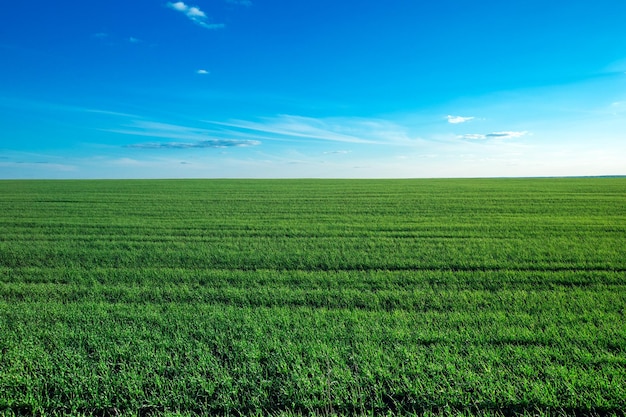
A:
[298,297]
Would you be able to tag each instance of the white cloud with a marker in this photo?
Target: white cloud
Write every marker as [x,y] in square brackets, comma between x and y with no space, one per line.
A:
[164,130]
[194,14]
[506,135]
[180,6]
[37,165]
[338,129]
[473,136]
[126,162]
[493,135]
[185,137]
[210,143]
[458,119]
[202,72]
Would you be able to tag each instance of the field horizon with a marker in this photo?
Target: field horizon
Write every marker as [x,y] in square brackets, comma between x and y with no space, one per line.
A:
[530,177]
[465,296]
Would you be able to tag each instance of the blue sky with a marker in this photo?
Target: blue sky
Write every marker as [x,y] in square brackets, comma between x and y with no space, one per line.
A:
[276,88]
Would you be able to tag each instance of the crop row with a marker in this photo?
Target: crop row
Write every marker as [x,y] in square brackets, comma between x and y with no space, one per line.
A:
[229,359]
[370,280]
[325,254]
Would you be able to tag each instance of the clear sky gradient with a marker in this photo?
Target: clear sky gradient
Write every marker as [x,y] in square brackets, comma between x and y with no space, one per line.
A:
[294,88]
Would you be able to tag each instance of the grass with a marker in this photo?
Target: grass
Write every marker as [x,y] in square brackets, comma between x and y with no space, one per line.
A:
[313,297]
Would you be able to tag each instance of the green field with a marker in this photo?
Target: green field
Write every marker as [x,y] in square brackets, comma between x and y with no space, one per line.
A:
[299,297]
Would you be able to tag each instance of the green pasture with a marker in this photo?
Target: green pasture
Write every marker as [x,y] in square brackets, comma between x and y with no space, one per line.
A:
[490,297]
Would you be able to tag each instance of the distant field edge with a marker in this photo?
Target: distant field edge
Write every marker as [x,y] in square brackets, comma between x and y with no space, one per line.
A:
[319,178]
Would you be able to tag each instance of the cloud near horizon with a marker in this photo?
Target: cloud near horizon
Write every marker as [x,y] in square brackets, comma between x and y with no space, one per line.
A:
[210,143]
[506,135]
[494,135]
[458,119]
[194,14]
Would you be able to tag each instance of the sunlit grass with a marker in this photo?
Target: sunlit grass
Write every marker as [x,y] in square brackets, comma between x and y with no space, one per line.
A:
[407,297]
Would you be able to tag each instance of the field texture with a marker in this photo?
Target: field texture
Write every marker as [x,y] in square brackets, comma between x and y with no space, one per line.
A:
[358,297]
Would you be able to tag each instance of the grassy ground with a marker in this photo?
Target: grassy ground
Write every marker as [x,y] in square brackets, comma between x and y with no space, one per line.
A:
[402,297]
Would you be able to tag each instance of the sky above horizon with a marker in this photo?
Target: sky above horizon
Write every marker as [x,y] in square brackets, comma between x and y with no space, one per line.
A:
[289,89]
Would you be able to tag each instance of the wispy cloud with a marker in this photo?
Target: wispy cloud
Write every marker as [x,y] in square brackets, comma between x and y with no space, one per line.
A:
[211,143]
[181,137]
[458,119]
[347,130]
[202,72]
[113,40]
[36,105]
[494,135]
[473,136]
[103,38]
[37,165]
[506,135]
[336,152]
[194,14]
[99,111]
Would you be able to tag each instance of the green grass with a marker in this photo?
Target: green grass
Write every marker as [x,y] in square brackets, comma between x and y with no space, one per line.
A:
[296,297]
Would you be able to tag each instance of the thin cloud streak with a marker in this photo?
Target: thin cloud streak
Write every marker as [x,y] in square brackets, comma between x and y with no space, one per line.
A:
[176,132]
[473,136]
[36,105]
[37,165]
[211,143]
[494,135]
[194,138]
[346,130]
[295,127]
[506,135]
